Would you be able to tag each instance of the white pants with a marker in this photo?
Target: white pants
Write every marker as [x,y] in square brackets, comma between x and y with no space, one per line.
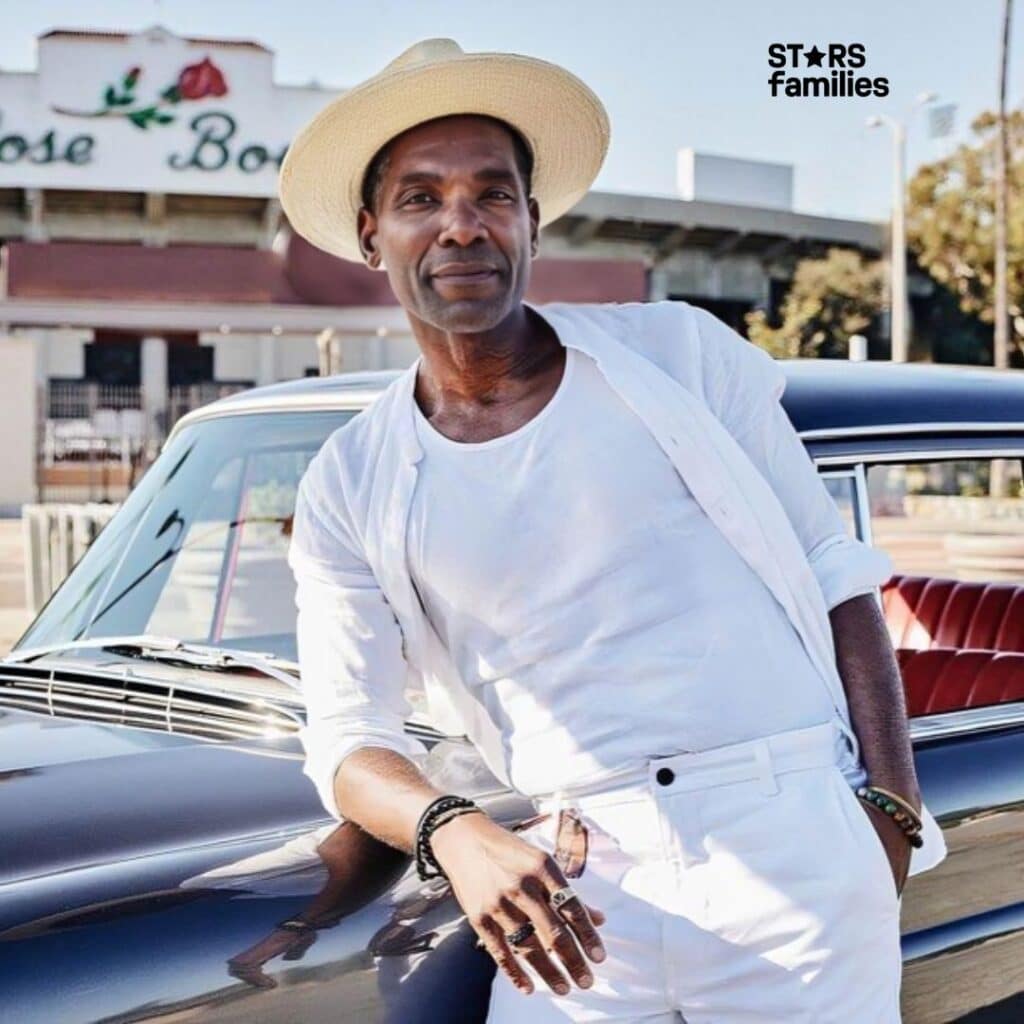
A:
[744,884]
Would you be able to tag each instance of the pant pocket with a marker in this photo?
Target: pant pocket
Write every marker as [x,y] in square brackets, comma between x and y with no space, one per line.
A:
[865,837]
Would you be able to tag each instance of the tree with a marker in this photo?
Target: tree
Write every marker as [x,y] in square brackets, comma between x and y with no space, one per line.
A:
[951,221]
[829,300]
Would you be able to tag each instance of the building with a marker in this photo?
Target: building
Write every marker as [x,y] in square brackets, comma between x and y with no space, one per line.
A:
[146,266]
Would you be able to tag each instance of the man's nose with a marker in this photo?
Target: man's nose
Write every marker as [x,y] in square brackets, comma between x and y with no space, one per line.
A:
[462,224]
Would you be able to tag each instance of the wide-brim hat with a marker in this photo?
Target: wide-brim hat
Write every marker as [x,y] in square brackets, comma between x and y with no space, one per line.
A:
[562,121]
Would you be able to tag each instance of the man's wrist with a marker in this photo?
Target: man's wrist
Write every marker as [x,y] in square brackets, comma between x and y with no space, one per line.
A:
[900,784]
[450,835]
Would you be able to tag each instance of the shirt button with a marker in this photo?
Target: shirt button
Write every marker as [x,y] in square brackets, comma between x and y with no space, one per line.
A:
[665,776]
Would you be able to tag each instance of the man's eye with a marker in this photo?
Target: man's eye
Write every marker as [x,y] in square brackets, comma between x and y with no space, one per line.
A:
[417,196]
[500,193]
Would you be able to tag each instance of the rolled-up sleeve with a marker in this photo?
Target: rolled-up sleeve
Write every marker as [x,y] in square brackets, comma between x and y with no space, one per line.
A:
[349,642]
[743,386]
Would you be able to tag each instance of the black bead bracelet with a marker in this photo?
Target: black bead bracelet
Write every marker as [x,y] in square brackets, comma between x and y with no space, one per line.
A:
[441,810]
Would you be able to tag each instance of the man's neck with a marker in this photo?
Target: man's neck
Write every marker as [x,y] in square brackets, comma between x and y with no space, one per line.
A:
[483,369]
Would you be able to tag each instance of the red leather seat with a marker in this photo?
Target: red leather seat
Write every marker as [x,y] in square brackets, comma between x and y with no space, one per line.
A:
[959,644]
[920,670]
[924,612]
[1001,680]
[945,679]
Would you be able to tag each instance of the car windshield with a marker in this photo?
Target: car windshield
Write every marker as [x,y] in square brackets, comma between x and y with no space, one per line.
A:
[199,550]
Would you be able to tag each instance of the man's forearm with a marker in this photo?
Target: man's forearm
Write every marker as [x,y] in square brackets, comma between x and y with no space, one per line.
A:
[384,793]
[874,692]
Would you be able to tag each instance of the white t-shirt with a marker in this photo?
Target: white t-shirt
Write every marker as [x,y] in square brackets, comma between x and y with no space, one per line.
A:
[589,602]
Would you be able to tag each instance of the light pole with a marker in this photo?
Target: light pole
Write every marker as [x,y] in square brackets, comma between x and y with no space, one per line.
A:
[898,252]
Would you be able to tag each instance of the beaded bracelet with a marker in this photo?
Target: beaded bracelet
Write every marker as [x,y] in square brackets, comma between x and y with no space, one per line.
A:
[897,808]
[439,811]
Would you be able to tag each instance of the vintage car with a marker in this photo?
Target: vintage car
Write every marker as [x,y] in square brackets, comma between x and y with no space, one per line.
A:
[156,825]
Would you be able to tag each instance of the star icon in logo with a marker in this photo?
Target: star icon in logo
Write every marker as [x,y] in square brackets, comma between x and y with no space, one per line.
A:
[814,57]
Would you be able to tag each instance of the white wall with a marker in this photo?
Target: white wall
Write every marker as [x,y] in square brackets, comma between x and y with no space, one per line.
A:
[293,353]
[394,351]
[729,179]
[287,356]
[18,421]
[235,356]
[60,352]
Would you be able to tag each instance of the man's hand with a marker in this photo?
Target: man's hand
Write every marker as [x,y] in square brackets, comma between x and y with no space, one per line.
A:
[874,690]
[894,840]
[501,882]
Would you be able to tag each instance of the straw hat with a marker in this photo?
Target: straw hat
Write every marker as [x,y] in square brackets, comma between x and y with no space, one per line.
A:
[562,121]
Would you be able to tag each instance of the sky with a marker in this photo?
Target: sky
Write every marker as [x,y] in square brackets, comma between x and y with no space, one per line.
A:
[671,73]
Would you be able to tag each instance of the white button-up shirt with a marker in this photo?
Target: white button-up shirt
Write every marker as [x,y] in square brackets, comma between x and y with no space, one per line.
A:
[588,601]
[710,400]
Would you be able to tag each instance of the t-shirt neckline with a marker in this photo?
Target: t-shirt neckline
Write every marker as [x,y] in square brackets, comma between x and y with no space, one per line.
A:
[430,435]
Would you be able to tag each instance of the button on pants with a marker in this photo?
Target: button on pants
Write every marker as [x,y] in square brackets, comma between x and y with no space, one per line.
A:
[742,884]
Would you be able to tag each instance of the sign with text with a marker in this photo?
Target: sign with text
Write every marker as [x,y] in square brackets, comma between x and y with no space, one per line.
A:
[151,112]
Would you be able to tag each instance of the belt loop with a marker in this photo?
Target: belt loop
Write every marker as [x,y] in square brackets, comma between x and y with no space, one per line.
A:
[766,771]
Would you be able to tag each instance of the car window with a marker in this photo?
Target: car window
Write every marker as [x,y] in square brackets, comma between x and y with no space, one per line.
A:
[954,608]
[231,581]
[956,518]
[842,487]
[199,550]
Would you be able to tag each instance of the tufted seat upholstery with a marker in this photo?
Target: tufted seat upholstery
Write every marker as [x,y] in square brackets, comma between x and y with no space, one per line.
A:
[945,679]
[924,612]
[959,644]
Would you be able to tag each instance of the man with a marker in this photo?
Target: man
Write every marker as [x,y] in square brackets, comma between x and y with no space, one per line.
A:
[593,536]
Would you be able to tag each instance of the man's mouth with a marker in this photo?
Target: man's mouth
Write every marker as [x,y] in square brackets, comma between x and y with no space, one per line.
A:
[464,273]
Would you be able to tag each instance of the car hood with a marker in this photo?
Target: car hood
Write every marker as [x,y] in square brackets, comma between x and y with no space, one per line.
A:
[76,793]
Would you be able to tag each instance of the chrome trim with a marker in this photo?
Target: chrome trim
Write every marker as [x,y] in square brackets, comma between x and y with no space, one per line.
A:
[924,455]
[863,504]
[828,433]
[352,402]
[125,698]
[69,691]
[967,720]
[361,396]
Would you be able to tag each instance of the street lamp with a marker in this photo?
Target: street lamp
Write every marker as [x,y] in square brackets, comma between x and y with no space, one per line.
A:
[898,257]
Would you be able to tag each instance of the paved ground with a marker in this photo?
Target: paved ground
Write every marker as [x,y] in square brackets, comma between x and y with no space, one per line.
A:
[14,616]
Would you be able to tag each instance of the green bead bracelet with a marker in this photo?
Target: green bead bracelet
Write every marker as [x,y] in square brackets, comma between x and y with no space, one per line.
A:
[910,824]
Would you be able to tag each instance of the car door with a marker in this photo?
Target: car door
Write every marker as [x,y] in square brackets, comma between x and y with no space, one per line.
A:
[952,519]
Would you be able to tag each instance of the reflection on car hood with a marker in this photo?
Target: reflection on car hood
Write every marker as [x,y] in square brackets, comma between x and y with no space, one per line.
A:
[76,793]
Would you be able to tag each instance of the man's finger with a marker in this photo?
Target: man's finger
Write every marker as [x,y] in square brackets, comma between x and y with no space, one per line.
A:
[533,951]
[556,934]
[581,919]
[495,943]
[574,911]
[514,916]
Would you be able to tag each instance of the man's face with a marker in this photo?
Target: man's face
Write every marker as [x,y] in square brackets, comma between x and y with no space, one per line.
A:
[453,225]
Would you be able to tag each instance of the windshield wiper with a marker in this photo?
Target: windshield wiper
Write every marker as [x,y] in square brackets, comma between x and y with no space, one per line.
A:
[170,650]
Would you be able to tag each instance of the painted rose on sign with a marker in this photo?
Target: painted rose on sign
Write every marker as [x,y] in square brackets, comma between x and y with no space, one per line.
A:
[194,82]
[197,81]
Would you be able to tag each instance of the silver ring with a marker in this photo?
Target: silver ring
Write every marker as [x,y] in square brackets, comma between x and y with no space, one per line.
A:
[521,934]
[562,896]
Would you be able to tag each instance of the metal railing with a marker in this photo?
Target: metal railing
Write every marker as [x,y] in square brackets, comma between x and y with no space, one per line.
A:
[96,440]
[56,537]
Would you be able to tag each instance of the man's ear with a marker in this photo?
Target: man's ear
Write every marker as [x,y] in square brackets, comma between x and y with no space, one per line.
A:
[366,229]
[534,208]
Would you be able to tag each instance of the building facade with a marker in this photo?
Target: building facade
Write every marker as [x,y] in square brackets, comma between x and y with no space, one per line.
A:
[146,267]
